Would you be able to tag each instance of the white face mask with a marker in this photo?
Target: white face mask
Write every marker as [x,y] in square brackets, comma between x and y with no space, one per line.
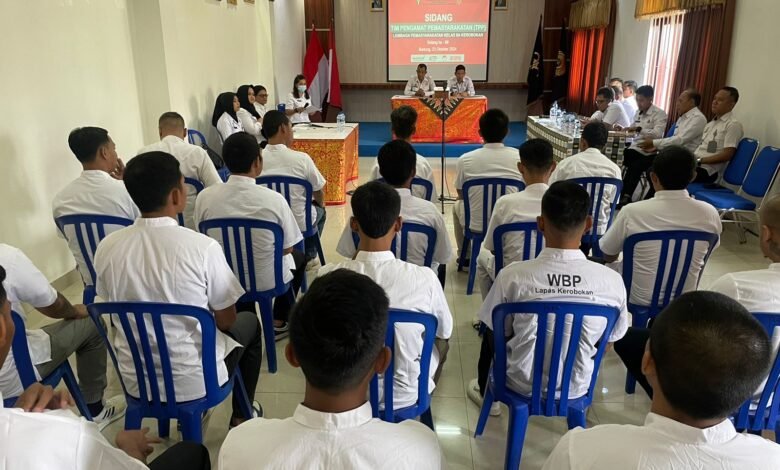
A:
[301,89]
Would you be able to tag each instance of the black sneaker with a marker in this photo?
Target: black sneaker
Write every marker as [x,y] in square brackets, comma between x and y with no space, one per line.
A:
[281,332]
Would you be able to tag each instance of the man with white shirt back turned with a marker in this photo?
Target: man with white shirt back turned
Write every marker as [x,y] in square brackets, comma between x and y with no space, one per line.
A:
[194,162]
[720,138]
[337,337]
[460,85]
[609,111]
[156,260]
[376,209]
[536,164]
[97,191]
[420,84]
[565,217]
[705,357]
[493,160]
[687,133]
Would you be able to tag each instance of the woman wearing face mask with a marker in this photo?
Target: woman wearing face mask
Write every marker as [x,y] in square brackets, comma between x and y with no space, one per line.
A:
[247,114]
[298,101]
[224,117]
[261,99]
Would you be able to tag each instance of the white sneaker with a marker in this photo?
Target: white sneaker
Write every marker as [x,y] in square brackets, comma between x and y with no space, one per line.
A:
[113,409]
[473,393]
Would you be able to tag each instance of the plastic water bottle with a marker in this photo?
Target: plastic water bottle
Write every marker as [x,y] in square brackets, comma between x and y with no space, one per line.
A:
[554,111]
[341,119]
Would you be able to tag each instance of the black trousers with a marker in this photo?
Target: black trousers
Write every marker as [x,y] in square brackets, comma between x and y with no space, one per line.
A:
[442,273]
[703,177]
[631,348]
[283,304]
[485,360]
[184,455]
[248,358]
[635,163]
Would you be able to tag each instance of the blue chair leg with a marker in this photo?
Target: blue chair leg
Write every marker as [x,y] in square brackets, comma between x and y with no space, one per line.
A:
[243,398]
[133,418]
[484,413]
[88,296]
[576,418]
[267,318]
[192,426]
[319,249]
[75,391]
[475,245]
[518,422]
[304,283]
[427,419]
[463,253]
[777,432]
[373,396]
[164,427]
[630,383]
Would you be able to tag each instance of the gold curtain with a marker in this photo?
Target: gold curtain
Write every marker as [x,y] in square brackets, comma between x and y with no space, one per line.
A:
[646,9]
[589,14]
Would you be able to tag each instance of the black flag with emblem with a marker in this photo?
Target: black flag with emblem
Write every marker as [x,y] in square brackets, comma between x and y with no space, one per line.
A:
[561,78]
[535,78]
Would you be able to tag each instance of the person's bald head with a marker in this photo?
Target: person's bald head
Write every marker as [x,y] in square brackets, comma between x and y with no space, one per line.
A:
[769,238]
[171,123]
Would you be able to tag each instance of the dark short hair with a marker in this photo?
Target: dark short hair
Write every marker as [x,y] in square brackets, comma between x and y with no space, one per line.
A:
[674,167]
[171,119]
[616,79]
[494,126]
[595,134]
[646,91]
[460,67]
[376,206]
[397,162]
[566,205]
[617,92]
[536,154]
[272,121]
[258,88]
[733,92]
[710,354]
[337,329]
[606,92]
[403,120]
[84,142]
[423,66]
[630,84]
[3,293]
[694,95]
[240,151]
[150,177]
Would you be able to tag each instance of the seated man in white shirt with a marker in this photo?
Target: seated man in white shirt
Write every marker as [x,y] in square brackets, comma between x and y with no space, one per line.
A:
[242,198]
[397,167]
[493,160]
[720,138]
[536,164]
[97,191]
[420,84]
[376,207]
[609,111]
[53,344]
[629,102]
[156,260]
[565,217]
[41,415]
[687,133]
[194,162]
[403,122]
[705,357]
[279,159]
[460,85]
[337,337]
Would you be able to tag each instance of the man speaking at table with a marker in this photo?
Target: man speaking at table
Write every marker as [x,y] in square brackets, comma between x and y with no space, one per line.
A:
[460,85]
[420,84]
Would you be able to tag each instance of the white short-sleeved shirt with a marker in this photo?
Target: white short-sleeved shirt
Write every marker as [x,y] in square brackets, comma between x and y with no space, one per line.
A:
[653,124]
[250,123]
[423,170]
[491,161]
[615,114]
[71,442]
[466,86]
[24,283]
[420,211]
[663,444]
[94,192]
[302,102]
[351,440]
[590,163]
[156,260]
[279,160]
[408,287]
[428,85]
[194,163]
[551,277]
[260,108]
[687,131]
[721,133]
[227,126]
[667,210]
[242,198]
[629,105]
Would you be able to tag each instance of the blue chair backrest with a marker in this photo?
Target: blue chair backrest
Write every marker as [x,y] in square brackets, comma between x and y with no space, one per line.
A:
[417,181]
[90,230]
[767,412]
[235,236]
[762,173]
[533,242]
[192,134]
[738,167]
[282,185]
[24,365]
[596,187]
[673,265]
[670,132]
[492,189]
[543,311]
[197,186]
[406,229]
[430,324]
[147,318]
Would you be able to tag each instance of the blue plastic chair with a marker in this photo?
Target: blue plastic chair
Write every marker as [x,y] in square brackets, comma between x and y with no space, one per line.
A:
[766,413]
[224,174]
[406,229]
[235,236]
[492,189]
[530,231]
[197,186]
[417,181]
[522,406]
[736,170]
[758,182]
[150,403]
[423,406]
[192,134]
[596,187]
[26,370]
[679,267]
[90,230]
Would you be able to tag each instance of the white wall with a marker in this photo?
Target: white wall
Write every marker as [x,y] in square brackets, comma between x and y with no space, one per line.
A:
[628,54]
[289,45]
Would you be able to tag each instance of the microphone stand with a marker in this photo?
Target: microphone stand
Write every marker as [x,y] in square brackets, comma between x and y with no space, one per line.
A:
[442,197]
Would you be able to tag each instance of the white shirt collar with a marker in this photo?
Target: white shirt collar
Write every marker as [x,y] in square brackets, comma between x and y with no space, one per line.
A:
[172,138]
[495,145]
[673,194]
[726,117]
[540,188]
[404,192]
[275,147]
[241,180]
[561,254]
[96,174]
[374,256]
[329,421]
[156,222]
[690,112]
[682,433]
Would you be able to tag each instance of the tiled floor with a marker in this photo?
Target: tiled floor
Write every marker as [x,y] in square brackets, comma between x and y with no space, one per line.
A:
[454,415]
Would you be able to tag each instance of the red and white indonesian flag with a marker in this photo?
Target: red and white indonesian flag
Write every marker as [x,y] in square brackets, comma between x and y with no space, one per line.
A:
[315,69]
[334,97]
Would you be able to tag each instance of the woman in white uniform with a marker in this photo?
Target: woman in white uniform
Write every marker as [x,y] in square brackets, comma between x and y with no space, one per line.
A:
[247,114]
[261,99]
[298,101]
[224,117]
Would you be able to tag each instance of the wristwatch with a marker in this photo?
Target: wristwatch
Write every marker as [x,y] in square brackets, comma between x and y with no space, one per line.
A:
[698,161]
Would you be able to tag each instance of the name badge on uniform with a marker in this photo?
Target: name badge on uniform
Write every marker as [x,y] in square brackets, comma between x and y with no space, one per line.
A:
[712,146]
